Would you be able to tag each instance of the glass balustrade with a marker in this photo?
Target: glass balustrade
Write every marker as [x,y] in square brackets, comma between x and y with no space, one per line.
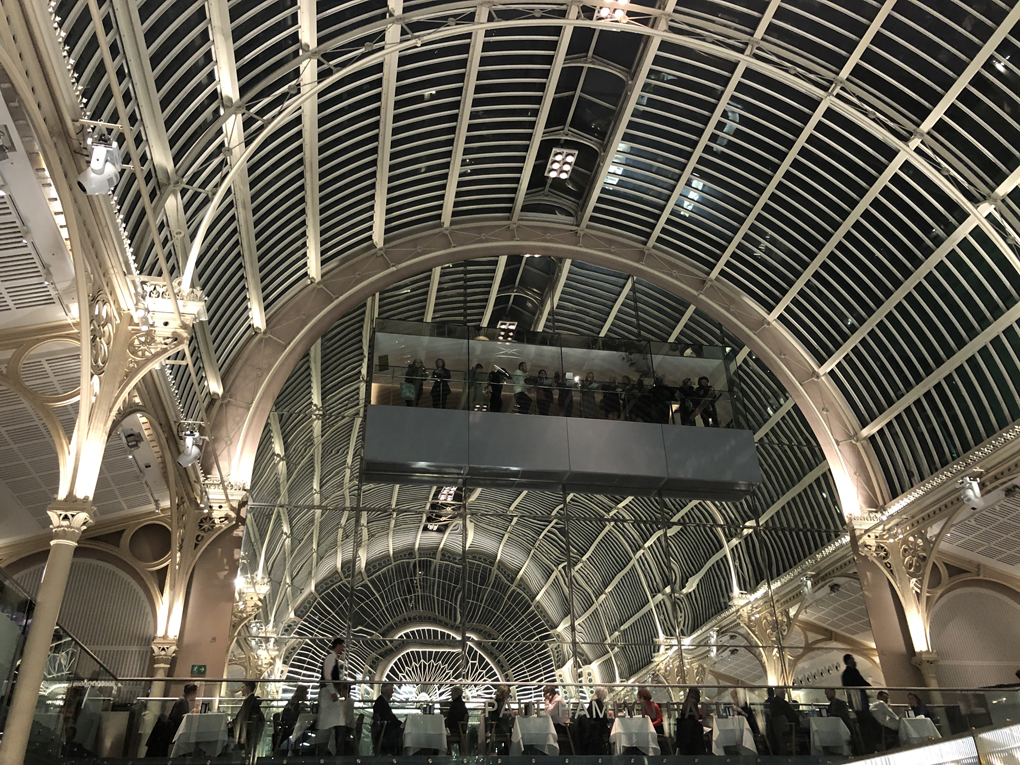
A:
[508,370]
[499,720]
[80,701]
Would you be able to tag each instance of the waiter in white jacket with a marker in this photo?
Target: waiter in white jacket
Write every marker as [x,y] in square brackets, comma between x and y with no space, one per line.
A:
[334,714]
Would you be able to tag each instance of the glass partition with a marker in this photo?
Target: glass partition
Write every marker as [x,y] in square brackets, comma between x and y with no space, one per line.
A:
[420,716]
[77,695]
[509,370]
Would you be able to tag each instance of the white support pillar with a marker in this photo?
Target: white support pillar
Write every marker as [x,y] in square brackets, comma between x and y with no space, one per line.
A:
[69,518]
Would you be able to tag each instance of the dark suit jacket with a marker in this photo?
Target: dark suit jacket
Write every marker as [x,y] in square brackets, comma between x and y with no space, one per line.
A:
[180,708]
[382,713]
[456,715]
[838,708]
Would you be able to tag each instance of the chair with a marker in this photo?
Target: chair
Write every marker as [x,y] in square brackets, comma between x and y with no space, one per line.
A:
[496,738]
[378,739]
[665,747]
[457,738]
[359,723]
[564,736]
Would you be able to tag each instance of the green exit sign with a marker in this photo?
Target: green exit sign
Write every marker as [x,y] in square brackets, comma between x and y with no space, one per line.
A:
[197,669]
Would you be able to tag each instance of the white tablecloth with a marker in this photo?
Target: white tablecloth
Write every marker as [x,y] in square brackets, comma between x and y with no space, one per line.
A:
[829,733]
[424,732]
[732,731]
[916,730]
[534,731]
[205,731]
[634,731]
[304,720]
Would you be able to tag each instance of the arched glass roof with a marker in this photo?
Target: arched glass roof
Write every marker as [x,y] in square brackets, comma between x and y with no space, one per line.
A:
[849,170]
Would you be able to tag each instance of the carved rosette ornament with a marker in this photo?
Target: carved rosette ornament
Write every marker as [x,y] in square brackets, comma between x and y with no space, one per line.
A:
[101,328]
[68,519]
[915,550]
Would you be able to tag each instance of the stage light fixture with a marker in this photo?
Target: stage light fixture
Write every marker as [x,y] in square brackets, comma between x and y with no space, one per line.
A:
[103,171]
[191,452]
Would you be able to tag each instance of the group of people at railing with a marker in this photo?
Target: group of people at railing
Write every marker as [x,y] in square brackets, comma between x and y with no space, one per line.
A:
[636,400]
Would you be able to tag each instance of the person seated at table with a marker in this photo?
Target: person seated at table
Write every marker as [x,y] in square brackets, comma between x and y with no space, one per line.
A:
[594,728]
[500,720]
[556,709]
[838,708]
[744,710]
[780,718]
[918,707]
[162,735]
[690,734]
[294,708]
[457,713]
[882,712]
[249,722]
[650,709]
[387,738]
[887,718]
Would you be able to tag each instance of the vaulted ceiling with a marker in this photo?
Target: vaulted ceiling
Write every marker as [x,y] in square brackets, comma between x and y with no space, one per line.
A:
[847,171]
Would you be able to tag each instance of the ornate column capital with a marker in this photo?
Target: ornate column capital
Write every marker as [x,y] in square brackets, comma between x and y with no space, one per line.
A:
[163,650]
[68,519]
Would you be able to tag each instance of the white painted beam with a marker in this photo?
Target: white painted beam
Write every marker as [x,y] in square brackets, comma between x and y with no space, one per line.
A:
[430,302]
[713,120]
[994,330]
[233,137]
[308,35]
[809,128]
[494,290]
[623,115]
[386,106]
[552,298]
[543,111]
[616,306]
[940,254]
[904,155]
[136,54]
[464,117]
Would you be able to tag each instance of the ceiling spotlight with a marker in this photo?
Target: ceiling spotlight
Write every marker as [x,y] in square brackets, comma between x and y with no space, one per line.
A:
[133,440]
[189,456]
[505,331]
[612,12]
[103,171]
[561,162]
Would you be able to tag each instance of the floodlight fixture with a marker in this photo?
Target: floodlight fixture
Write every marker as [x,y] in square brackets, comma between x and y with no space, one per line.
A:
[505,331]
[192,451]
[103,171]
[615,12]
[561,162]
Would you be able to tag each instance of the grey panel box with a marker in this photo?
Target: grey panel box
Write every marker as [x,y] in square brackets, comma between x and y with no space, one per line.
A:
[518,451]
[710,463]
[423,445]
[616,456]
[415,444]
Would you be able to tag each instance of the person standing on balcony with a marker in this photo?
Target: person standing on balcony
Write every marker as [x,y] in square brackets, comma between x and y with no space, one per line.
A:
[565,400]
[543,393]
[589,406]
[521,396]
[611,399]
[414,381]
[440,385]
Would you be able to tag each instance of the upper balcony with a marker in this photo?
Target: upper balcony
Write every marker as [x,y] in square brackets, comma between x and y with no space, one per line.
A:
[603,415]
